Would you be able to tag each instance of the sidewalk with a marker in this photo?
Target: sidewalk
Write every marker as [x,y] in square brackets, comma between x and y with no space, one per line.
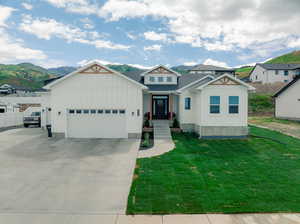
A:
[26,218]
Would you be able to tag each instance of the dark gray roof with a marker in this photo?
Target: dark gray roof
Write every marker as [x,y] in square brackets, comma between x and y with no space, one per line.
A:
[183,81]
[209,68]
[280,66]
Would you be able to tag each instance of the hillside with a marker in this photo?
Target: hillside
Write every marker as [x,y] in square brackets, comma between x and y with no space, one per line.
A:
[290,58]
[25,75]
[243,72]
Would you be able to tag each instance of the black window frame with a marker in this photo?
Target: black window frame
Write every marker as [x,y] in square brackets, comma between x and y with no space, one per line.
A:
[213,106]
[187,103]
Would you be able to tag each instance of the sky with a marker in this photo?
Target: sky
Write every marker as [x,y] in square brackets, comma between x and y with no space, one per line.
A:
[145,33]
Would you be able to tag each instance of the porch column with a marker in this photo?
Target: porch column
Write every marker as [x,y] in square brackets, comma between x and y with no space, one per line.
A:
[150,117]
[171,106]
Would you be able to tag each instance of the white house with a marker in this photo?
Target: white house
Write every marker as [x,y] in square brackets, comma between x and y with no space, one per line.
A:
[271,73]
[98,102]
[287,101]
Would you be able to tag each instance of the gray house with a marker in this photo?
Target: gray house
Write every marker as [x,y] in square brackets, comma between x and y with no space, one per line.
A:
[271,73]
[211,70]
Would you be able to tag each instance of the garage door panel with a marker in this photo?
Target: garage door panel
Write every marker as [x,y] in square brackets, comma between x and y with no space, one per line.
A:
[96,126]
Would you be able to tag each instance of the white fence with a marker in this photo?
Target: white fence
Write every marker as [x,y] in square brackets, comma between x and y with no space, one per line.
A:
[11,119]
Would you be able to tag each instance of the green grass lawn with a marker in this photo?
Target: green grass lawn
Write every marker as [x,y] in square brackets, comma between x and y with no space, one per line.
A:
[220,176]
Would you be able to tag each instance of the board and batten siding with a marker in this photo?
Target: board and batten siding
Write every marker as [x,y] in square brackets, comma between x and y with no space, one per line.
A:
[224,118]
[287,104]
[96,91]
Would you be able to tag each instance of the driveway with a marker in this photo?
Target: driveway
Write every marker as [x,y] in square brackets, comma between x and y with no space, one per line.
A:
[41,175]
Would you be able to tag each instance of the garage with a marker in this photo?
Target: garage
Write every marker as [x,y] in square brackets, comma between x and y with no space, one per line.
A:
[96,123]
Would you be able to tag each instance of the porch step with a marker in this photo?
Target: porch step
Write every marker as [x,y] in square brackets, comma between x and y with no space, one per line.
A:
[161,130]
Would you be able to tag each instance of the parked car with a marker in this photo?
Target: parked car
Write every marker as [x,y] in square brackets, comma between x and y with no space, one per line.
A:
[33,119]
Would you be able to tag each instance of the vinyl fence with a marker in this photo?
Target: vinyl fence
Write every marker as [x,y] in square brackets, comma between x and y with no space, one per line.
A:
[10,119]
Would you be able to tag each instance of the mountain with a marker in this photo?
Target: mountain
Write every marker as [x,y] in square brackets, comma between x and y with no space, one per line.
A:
[183,69]
[25,75]
[290,58]
[64,70]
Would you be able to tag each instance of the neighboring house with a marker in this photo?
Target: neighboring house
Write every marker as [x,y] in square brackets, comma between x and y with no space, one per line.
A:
[98,102]
[287,100]
[211,70]
[271,73]
[7,89]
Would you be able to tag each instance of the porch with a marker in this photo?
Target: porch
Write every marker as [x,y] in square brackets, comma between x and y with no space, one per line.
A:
[160,106]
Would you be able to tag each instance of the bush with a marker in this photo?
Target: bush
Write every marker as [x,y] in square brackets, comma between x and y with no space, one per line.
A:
[147,123]
[146,141]
[260,103]
[175,123]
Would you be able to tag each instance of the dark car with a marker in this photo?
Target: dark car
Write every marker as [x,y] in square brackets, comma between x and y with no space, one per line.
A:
[33,119]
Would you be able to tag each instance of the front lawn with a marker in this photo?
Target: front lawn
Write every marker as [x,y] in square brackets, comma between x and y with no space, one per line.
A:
[220,176]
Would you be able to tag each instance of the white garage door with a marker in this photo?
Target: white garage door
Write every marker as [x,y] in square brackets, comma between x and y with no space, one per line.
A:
[96,123]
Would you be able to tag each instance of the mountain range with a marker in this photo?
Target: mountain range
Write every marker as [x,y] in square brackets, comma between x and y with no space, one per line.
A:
[30,76]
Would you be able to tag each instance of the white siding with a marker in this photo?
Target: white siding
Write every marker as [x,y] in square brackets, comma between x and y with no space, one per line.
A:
[224,118]
[96,91]
[288,103]
[260,74]
[188,116]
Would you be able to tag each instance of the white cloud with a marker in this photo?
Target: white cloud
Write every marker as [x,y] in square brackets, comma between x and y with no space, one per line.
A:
[5,13]
[218,25]
[46,28]
[131,36]
[151,35]
[87,23]
[27,6]
[75,6]
[154,47]
[210,61]
[190,63]
[14,50]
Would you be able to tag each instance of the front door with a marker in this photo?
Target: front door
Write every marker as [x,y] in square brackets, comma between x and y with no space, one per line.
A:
[160,107]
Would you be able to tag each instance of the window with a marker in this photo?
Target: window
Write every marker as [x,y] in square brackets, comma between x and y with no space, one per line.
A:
[93,111]
[100,111]
[215,104]
[85,111]
[256,77]
[286,80]
[122,111]
[276,72]
[160,79]
[187,103]
[286,72]
[169,79]
[233,104]
[152,79]
[107,111]
[78,111]
[115,111]
[71,111]
[138,112]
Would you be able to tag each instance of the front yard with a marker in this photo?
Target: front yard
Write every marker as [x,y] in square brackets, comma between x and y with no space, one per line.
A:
[220,176]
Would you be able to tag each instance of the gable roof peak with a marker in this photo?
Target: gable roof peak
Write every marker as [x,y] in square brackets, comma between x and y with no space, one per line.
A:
[161,66]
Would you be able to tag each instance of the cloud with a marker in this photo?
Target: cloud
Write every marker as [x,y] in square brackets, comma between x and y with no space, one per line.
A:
[218,25]
[27,6]
[15,50]
[45,28]
[75,6]
[210,61]
[151,35]
[5,13]
[87,23]
[131,36]
[155,47]
[190,63]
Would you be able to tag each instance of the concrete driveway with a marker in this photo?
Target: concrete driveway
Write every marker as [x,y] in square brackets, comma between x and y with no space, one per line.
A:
[61,176]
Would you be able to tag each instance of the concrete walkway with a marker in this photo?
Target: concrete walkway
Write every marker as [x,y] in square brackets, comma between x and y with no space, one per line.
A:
[147,219]
[162,140]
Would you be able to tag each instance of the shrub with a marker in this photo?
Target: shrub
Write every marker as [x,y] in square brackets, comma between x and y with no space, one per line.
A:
[175,123]
[146,141]
[147,123]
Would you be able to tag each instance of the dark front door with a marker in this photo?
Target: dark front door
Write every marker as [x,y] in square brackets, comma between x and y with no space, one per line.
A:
[160,107]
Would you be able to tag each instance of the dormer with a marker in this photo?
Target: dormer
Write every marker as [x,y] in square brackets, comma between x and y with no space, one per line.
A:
[160,75]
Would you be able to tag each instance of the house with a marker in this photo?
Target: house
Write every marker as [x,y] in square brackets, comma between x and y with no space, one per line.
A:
[7,89]
[211,69]
[287,100]
[98,102]
[271,73]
